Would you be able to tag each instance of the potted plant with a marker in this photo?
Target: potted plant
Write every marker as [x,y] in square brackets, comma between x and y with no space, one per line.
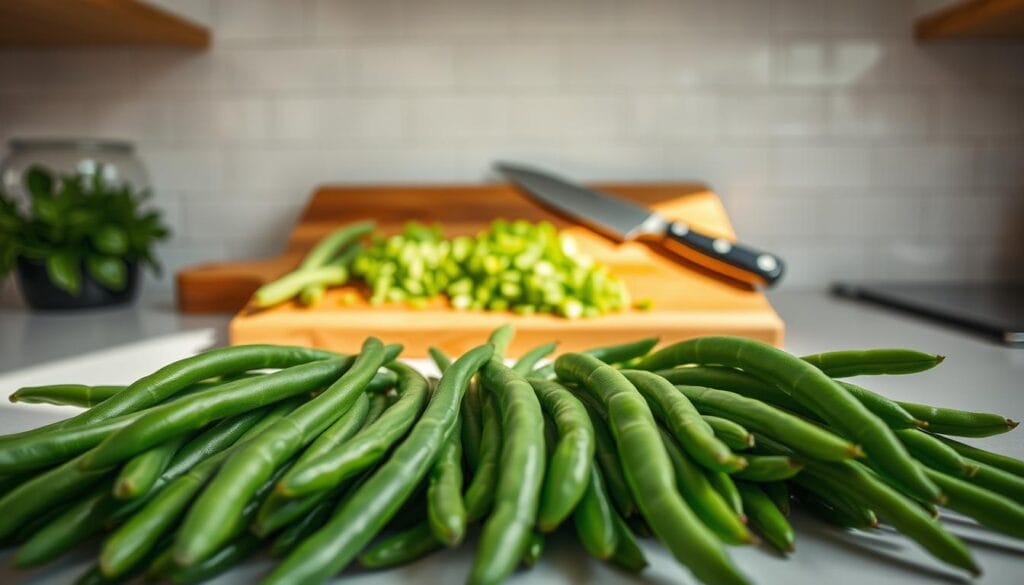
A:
[79,242]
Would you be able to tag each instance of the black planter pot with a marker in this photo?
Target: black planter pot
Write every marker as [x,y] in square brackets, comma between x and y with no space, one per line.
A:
[42,294]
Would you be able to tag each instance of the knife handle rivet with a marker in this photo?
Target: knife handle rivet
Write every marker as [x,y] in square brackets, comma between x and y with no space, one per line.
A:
[767,262]
[679,229]
[721,246]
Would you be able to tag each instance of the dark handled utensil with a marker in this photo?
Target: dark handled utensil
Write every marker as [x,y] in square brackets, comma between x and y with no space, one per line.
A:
[624,220]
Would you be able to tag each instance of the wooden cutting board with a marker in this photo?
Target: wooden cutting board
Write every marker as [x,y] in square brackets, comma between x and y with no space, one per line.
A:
[688,300]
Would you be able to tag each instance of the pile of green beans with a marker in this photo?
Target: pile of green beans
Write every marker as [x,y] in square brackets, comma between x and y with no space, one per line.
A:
[324,460]
[511,266]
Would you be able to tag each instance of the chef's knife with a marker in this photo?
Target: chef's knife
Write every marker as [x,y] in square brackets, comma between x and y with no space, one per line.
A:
[624,220]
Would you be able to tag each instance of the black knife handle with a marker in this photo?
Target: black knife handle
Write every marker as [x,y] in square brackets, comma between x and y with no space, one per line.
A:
[724,256]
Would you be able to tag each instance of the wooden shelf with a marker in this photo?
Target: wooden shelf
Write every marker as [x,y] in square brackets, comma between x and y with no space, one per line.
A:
[973,19]
[42,23]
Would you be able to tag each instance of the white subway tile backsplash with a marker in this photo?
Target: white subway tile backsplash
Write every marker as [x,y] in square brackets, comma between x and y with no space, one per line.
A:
[405,66]
[825,61]
[458,17]
[185,168]
[257,19]
[565,115]
[283,172]
[931,165]
[882,114]
[349,19]
[869,17]
[613,64]
[440,120]
[798,16]
[682,115]
[273,69]
[327,120]
[696,60]
[221,120]
[981,114]
[507,64]
[823,166]
[778,115]
[830,134]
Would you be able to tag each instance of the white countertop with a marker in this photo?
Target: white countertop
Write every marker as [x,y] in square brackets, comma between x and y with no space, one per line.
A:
[119,345]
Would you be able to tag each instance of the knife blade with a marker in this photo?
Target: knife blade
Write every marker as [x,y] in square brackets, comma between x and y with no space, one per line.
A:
[623,220]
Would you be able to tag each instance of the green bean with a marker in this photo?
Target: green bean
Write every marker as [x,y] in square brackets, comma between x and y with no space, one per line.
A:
[534,549]
[731,433]
[628,555]
[722,483]
[988,508]
[934,453]
[480,491]
[614,354]
[703,498]
[766,518]
[278,510]
[159,424]
[1007,464]
[220,436]
[34,452]
[811,387]
[961,423]
[736,381]
[843,364]
[140,473]
[382,382]
[648,469]
[289,285]
[312,294]
[298,531]
[440,358]
[746,385]
[177,376]
[837,512]
[779,494]
[471,413]
[216,511]
[594,519]
[367,447]
[500,338]
[446,510]
[333,243]
[855,482]
[65,394]
[995,479]
[347,425]
[44,491]
[225,558]
[677,412]
[400,548]
[524,365]
[769,468]
[568,469]
[607,457]
[506,532]
[134,540]
[334,546]
[794,432]
[70,528]
[95,576]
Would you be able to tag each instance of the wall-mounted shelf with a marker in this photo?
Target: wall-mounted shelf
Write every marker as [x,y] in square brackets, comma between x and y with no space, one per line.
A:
[42,23]
[973,19]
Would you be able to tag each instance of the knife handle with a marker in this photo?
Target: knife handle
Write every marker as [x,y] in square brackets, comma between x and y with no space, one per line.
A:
[724,256]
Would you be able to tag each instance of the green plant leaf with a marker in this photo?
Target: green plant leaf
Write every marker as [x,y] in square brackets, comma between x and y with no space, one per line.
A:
[62,268]
[107,270]
[110,239]
[46,210]
[39,182]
